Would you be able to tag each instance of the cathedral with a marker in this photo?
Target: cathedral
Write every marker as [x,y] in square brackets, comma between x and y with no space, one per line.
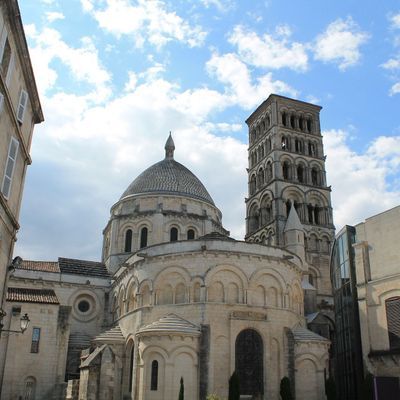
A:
[175,297]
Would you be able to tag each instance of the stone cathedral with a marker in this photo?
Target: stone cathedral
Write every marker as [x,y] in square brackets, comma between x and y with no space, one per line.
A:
[174,296]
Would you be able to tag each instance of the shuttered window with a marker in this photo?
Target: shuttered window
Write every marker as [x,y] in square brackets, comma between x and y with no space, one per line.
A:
[393,321]
[35,340]
[10,165]
[23,100]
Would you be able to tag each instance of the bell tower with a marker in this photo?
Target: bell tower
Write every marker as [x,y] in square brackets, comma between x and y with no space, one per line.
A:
[287,169]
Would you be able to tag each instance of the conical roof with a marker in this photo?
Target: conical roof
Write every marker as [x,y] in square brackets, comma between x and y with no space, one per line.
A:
[169,177]
[171,323]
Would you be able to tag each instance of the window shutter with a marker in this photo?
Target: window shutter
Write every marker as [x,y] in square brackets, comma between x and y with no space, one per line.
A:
[9,171]
[10,70]
[23,100]
[393,321]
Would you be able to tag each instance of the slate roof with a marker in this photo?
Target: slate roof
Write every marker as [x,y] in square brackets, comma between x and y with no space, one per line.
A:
[216,236]
[82,267]
[27,295]
[169,177]
[46,266]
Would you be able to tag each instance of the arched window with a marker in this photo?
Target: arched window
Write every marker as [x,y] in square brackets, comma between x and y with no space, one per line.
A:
[260,177]
[143,237]
[128,241]
[154,375]
[284,122]
[285,143]
[132,358]
[292,122]
[286,170]
[393,318]
[301,123]
[311,149]
[269,171]
[30,388]
[249,363]
[173,235]
[190,234]
[300,174]
[314,177]
[254,219]
[253,186]
[298,146]
[309,125]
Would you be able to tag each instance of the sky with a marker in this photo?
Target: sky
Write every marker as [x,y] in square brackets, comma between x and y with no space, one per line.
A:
[115,76]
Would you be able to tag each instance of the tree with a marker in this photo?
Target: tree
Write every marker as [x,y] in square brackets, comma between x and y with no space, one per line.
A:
[285,391]
[330,389]
[367,389]
[234,387]
[182,390]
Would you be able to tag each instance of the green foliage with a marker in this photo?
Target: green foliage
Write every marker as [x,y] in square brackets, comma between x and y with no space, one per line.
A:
[285,390]
[234,387]
[213,397]
[367,389]
[330,389]
[182,390]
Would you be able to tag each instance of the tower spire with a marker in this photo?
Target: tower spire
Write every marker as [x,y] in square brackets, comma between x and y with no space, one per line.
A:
[169,148]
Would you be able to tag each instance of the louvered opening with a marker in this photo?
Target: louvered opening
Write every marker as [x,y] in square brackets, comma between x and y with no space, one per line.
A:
[393,321]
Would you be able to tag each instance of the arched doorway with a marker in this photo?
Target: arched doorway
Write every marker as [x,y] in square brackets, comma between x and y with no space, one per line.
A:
[249,362]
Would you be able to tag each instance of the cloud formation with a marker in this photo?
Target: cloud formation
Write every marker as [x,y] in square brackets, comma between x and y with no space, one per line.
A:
[146,21]
[340,43]
[268,51]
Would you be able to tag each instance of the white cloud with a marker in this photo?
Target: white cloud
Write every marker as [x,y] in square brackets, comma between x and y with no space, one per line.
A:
[268,51]
[340,43]
[52,16]
[395,89]
[393,63]
[395,20]
[232,72]
[148,20]
[361,184]
[83,62]
[221,5]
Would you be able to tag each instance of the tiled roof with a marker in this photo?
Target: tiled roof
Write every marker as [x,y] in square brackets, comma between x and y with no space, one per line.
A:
[82,267]
[46,266]
[169,177]
[27,295]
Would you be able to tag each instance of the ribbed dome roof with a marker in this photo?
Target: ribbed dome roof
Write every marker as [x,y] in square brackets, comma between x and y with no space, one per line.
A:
[169,177]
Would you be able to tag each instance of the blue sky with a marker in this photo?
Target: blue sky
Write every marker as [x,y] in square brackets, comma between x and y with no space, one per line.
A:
[115,76]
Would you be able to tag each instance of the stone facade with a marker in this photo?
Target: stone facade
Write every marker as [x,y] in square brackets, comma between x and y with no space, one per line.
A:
[179,299]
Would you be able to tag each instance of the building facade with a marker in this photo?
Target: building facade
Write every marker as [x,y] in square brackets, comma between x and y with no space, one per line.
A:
[366,283]
[178,298]
[20,110]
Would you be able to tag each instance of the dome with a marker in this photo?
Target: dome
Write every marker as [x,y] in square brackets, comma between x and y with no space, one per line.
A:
[169,177]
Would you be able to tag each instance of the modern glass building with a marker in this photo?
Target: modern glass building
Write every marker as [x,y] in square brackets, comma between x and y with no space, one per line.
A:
[347,349]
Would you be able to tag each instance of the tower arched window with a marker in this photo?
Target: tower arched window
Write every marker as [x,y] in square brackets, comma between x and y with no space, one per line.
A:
[284,121]
[300,173]
[128,241]
[260,180]
[301,123]
[253,184]
[173,234]
[314,177]
[269,171]
[154,375]
[190,234]
[143,237]
[286,170]
[393,316]
[309,125]
[292,122]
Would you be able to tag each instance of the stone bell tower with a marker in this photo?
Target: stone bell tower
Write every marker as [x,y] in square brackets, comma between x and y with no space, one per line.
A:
[287,169]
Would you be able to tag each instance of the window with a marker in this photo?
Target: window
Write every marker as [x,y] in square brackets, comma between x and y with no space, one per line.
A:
[8,174]
[83,306]
[128,241]
[173,235]
[35,340]
[393,321]
[154,375]
[143,237]
[6,57]
[23,100]
[190,234]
